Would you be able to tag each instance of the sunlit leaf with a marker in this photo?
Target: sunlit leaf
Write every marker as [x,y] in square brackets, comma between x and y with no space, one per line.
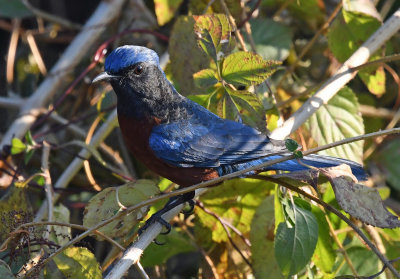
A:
[235,201]
[105,205]
[76,262]
[213,34]
[246,68]
[337,120]
[262,245]
[165,10]
[205,78]
[198,7]
[17,146]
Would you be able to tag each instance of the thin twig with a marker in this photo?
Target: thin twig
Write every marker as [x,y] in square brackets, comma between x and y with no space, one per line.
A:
[12,50]
[47,183]
[36,52]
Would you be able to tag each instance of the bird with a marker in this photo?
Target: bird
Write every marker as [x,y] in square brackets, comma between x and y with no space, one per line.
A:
[181,140]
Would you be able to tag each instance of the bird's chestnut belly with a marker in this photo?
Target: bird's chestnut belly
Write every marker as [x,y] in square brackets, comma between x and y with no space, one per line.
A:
[136,134]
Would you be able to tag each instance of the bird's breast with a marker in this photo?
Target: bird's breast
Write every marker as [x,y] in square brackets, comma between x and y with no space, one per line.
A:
[136,133]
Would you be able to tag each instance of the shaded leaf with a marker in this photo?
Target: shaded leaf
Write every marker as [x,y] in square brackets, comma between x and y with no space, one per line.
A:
[337,120]
[165,10]
[272,39]
[213,35]
[175,243]
[104,205]
[77,262]
[235,201]
[261,237]
[324,255]
[198,7]
[389,160]
[354,28]
[5,271]
[205,78]
[185,56]
[246,68]
[363,260]
[294,246]
[14,8]
[359,201]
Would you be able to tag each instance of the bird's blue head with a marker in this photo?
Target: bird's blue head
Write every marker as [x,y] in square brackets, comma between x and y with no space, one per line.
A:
[126,56]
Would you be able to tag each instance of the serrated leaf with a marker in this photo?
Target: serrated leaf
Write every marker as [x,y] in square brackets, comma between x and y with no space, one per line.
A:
[324,255]
[262,246]
[213,35]
[291,145]
[104,205]
[77,262]
[246,68]
[198,7]
[175,243]
[235,201]
[205,78]
[354,28]
[272,39]
[17,146]
[165,10]
[337,120]
[14,8]
[185,56]
[361,202]
[294,246]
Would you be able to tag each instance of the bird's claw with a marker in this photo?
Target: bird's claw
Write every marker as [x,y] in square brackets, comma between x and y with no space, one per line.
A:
[153,219]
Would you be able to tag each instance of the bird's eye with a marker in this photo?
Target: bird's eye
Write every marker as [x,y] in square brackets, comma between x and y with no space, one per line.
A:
[138,70]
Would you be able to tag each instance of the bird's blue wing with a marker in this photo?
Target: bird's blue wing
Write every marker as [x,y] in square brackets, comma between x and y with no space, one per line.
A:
[205,140]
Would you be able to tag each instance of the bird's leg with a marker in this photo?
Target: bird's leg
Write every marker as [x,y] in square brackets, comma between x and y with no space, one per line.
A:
[173,202]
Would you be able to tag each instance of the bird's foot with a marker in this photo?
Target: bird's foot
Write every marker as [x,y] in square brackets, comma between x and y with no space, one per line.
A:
[156,218]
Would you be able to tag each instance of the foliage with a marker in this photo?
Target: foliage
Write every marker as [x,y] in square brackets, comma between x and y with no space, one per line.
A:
[243,61]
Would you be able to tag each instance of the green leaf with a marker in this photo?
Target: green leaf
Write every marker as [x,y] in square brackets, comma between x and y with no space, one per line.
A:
[61,234]
[17,146]
[235,201]
[248,108]
[337,120]
[364,261]
[76,262]
[198,7]
[186,58]
[388,159]
[262,246]
[349,30]
[205,78]
[175,243]
[246,68]
[294,246]
[14,8]
[165,10]
[104,205]
[213,35]
[324,255]
[5,271]
[291,145]
[272,39]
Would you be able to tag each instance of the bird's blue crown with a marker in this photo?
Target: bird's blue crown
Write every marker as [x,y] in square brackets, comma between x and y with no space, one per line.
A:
[126,56]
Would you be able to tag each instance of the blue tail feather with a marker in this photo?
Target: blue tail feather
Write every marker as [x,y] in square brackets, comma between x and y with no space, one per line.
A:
[318,161]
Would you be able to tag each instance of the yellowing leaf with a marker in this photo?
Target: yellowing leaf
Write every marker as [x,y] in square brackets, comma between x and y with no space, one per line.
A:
[165,10]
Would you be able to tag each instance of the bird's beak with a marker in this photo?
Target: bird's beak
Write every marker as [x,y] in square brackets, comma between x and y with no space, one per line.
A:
[104,76]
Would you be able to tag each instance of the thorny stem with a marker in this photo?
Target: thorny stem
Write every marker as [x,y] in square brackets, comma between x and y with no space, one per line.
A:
[215,182]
